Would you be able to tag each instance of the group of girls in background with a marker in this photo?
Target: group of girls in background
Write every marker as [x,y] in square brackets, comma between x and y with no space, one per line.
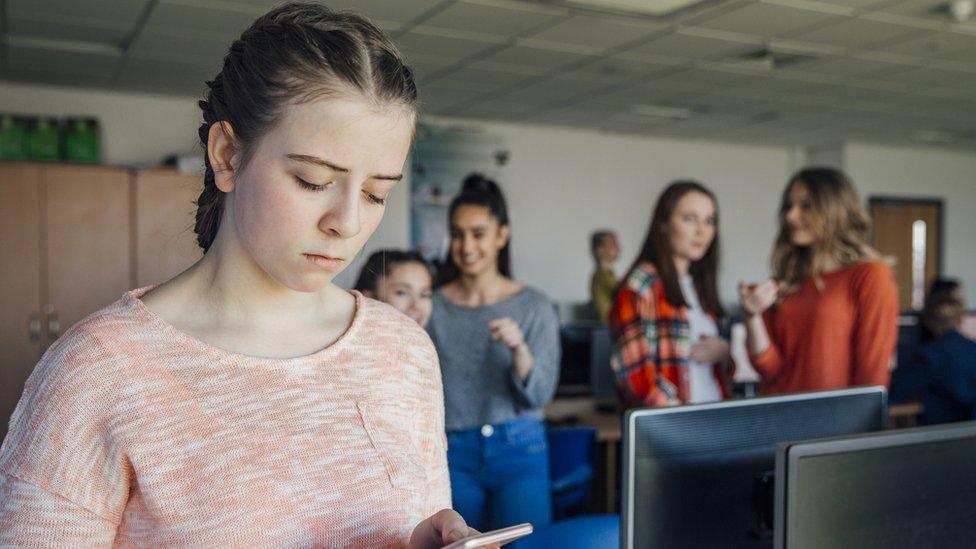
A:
[826,319]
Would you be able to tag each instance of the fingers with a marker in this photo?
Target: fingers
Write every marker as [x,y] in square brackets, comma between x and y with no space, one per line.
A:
[450,525]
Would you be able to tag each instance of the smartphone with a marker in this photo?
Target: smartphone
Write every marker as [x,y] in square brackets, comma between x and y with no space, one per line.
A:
[501,536]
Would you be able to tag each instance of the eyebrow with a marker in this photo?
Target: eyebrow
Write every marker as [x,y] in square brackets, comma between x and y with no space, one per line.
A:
[334,167]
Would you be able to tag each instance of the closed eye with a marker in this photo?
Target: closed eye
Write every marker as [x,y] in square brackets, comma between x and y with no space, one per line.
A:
[309,186]
[375,199]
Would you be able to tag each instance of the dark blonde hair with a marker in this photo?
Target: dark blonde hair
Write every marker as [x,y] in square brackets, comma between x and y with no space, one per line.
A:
[839,220]
[294,53]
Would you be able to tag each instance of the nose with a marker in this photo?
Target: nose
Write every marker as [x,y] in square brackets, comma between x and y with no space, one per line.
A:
[341,218]
[467,243]
[793,214]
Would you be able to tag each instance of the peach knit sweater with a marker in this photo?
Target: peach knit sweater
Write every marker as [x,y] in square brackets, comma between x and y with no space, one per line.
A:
[131,433]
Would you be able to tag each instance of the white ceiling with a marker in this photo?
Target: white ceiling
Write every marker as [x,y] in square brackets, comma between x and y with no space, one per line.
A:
[877,70]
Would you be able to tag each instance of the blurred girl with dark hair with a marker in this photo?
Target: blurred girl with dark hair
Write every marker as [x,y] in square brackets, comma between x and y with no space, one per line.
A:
[498,344]
[665,316]
[401,279]
[829,317]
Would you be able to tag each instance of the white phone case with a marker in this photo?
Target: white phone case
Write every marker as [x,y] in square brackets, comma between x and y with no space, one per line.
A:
[500,536]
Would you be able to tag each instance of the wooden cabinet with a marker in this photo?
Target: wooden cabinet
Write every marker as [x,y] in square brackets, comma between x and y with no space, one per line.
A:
[21,333]
[73,239]
[165,212]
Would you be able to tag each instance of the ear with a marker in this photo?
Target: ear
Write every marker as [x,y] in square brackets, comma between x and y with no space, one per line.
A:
[222,151]
[503,233]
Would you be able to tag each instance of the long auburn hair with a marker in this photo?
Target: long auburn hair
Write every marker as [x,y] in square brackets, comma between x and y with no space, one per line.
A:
[839,220]
[657,250]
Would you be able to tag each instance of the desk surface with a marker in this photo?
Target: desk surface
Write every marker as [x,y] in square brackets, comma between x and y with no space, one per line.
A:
[583,411]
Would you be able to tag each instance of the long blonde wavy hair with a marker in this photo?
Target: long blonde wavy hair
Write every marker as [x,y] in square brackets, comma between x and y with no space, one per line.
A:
[839,220]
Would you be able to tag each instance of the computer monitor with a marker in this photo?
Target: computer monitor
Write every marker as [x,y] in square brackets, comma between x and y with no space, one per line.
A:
[702,475]
[910,488]
[602,377]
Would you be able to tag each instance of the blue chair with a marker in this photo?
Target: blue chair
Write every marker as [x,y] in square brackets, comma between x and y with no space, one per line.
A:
[570,469]
[586,532]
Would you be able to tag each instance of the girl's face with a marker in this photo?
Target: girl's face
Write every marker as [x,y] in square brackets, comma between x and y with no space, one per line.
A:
[476,239]
[799,217]
[408,289]
[315,187]
[691,228]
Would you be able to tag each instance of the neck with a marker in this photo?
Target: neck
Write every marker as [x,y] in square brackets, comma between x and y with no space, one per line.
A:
[605,265]
[681,265]
[231,289]
[482,288]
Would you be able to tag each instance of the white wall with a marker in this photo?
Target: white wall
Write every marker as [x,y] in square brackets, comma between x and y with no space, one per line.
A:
[563,183]
[926,173]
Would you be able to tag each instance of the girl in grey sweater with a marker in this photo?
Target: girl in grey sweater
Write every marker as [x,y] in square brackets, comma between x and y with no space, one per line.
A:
[498,345]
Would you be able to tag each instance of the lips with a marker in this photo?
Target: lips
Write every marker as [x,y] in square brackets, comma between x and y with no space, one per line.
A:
[324,261]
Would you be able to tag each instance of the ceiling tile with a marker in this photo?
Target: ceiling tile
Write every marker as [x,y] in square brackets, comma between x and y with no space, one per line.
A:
[87,12]
[943,45]
[477,78]
[166,46]
[67,28]
[57,78]
[768,20]
[859,33]
[400,11]
[186,20]
[597,32]
[507,19]
[59,61]
[846,66]
[685,46]
[543,59]
[924,77]
[165,77]
[458,48]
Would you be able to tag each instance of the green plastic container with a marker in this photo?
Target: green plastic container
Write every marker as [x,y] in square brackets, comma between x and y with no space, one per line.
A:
[44,140]
[13,137]
[82,141]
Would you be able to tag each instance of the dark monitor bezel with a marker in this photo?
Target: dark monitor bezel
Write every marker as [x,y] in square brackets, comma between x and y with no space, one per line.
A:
[630,424]
[789,453]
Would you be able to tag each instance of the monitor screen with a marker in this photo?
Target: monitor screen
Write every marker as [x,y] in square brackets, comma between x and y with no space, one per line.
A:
[702,475]
[912,488]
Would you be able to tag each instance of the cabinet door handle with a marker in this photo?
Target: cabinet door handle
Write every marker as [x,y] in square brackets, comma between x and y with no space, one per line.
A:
[53,326]
[34,327]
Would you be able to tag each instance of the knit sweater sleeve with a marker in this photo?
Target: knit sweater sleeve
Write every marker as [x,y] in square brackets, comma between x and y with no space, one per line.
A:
[429,427]
[65,477]
[31,516]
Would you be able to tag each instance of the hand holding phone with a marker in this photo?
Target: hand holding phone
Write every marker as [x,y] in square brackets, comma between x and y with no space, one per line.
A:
[494,538]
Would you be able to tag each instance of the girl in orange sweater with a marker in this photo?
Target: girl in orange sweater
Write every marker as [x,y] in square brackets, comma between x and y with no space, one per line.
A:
[828,319]
[249,401]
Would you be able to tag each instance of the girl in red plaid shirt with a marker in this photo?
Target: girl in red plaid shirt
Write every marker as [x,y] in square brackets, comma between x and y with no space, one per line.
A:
[667,348]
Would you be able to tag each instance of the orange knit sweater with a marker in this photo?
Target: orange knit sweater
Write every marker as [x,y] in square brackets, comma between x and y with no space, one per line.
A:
[840,336]
[131,433]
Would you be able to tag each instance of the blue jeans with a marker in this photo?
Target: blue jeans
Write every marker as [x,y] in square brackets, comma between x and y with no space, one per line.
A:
[500,474]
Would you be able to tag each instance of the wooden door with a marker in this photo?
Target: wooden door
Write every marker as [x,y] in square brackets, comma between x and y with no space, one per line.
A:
[165,203]
[88,242]
[910,231]
[20,281]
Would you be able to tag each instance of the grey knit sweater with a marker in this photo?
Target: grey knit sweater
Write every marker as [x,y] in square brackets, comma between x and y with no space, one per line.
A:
[480,382]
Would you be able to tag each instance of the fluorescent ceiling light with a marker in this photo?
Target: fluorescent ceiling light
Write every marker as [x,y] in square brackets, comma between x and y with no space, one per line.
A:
[662,111]
[652,8]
